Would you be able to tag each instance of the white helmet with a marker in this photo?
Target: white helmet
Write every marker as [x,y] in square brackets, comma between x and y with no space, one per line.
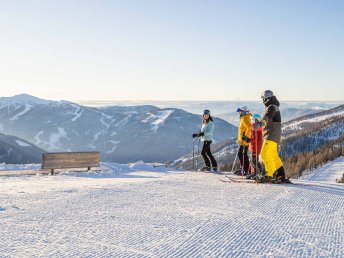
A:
[267,94]
[244,109]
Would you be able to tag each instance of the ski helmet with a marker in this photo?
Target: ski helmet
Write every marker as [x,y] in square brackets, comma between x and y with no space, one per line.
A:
[243,109]
[206,112]
[267,94]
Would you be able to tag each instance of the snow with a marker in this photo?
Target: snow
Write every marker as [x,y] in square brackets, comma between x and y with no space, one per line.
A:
[114,143]
[157,120]
[78,113]
[37,139]
[23,144]
[123,121]
[56,137]
[297,125]
[96,136]
[27,108]
[140,210]
[23,98]
[107,126]
[17,167]
[330,172]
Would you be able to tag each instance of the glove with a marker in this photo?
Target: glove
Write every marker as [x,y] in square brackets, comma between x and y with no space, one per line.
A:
[195,135]
[200,134]
[245,138]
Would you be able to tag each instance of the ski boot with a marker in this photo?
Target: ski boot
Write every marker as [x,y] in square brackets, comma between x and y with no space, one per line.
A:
[280,176]
[205,169]
[238,172]
[251,176]
[264,179]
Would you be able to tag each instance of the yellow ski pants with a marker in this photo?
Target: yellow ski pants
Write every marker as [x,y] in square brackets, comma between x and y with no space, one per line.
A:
[270,158]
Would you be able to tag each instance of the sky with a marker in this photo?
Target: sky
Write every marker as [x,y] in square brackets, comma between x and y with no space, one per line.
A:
[172,50]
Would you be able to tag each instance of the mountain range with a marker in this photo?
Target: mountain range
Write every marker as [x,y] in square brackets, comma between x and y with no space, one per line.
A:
[121,133]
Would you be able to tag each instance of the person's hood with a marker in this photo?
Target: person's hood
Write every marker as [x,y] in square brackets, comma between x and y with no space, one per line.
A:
[272,101]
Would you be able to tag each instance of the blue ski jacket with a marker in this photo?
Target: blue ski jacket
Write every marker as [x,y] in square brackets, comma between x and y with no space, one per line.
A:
[208,130]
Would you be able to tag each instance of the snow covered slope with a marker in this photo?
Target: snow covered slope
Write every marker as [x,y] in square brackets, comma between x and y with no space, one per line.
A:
[121,134]
[307,121]
[16,150]
[311,132]
[127,212]
[330,172]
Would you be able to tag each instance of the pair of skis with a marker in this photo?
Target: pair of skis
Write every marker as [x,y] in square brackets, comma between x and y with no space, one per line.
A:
[231,179]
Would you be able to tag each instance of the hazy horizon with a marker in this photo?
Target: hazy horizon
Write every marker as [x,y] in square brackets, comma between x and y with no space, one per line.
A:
[163,100]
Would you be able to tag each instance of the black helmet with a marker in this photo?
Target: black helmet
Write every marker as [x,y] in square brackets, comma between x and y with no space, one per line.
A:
[267,95]
[206,112]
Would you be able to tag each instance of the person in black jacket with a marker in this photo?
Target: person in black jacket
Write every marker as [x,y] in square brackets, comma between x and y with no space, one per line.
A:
[272,137]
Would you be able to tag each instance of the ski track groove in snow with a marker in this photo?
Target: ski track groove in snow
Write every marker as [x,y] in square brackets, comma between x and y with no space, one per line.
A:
[167,214]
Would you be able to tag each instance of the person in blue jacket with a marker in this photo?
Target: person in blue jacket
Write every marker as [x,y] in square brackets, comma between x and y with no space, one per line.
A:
[206,135]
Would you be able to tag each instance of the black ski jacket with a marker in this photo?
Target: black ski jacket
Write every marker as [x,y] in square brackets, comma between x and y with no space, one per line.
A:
[272,121]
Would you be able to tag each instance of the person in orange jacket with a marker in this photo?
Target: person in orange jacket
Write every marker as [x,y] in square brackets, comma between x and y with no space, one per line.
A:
[244,135]
[255,146]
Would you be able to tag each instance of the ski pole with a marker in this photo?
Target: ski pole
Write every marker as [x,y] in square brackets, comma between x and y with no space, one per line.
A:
[256,169]
[199,142]
[235,159]
[193,153]
[243,162]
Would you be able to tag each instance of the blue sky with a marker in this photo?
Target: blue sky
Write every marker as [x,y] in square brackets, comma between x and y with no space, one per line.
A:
[172,50]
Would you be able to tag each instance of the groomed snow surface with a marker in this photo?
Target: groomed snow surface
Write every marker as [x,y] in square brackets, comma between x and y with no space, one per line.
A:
[140,210]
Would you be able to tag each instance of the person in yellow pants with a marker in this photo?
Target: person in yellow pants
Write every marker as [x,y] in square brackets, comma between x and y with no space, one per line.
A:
[270,157]
[272,137]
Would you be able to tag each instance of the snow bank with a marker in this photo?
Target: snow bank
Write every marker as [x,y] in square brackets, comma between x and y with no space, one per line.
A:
[18,167]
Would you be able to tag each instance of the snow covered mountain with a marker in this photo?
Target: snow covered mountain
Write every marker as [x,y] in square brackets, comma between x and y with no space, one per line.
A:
[14,150]
[121,134]
[289,110]
[310,132]
[288,113]
[23,98]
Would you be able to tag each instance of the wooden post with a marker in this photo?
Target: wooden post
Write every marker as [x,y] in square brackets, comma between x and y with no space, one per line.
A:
[52,172]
